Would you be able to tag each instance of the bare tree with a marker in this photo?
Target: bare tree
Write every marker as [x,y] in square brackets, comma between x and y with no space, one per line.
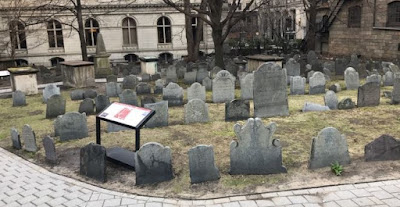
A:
[311,9]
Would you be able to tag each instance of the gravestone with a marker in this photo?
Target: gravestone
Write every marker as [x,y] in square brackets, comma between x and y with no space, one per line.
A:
[29,137]
[314,107]
[374,78]
[330,65]
[128,96]
[316,66]
[77,94]
[383,148]
[101,102]
[180,71]
[207,82]
[87,106]
[309,74]
[317,83]
[196,111]
[50,150]
[113,89]
[396,90]
[112,78]
[171,74]
[346,103]
[55,106]
[327,148]
[130,82]
[297,85]
[147,100]
[72,125]
[311,57]
[292,67]
[331,100]
[19,98]
[215,71]
[49,91]
[160,118]
[351,78]
[156,76]
[145,77]
[93,162]
[368,95]
[237,110]
[190,77]
[202,165]
[340,65]
[173,93]
[223,87]
[196,91]
[335,87]
[255,151]
[269,91]
[246,87]
[327,74]
[354,61]
[201,74]
[160,83]
[143,88]
[153,164]
[90,93]
[388,79]
[15,139]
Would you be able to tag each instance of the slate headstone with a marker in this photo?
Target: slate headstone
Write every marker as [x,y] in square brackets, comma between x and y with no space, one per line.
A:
[196,111]
[297,85]
[15,139]
[311,57]
[309,74]
[173,93]
[314,107]
[19,98]
[171,74]
[383,148]
[158,89]
[50,150]
[237,110]
[72,125]
[202,165]
[201,74]
[87,106]
[147,100]
[292,67]
[215,71]
[49,91]
[190,77]
[90,93]
[55,106]
[331,100]
[335,87]
[113,89]
[93,162]
[346,103]
[160,118]
[130,82]
[246,87]
[207,82]
[128,96]
[101,102]
[396,90]
[196,91]
[388,79]
[146,77]
[340,65]
[112,78]
[29,137]
[317,83]
[369,94]
[77,94]
[156,76]
[143,88]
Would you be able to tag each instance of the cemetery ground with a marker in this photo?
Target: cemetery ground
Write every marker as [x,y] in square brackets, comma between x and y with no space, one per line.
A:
[360,125]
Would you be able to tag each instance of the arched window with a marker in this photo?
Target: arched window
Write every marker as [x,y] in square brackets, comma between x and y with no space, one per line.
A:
[55,34]
[393,16]
[164,30]
[354,19]
[17,35]
[165,57]
[56,60]
[194,29]
[21,62]
[91,31]
[129,31]
[131,58]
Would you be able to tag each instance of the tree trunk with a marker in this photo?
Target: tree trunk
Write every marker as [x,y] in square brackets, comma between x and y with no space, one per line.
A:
[218,47]
[192,57]
[311,34]
[81,30]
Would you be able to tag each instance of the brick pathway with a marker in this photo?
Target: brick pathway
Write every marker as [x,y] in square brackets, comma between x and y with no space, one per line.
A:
[25,184]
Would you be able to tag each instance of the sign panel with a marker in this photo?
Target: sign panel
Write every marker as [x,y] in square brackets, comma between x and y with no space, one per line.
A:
[125,114]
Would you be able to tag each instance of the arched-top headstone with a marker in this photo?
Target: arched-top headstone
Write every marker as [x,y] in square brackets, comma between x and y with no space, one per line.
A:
[29,137]
[331,100]
[246,87]
[160,118]
[223,87]
[101,102]
[196,111]
[128,96]
[317,83]
[292,67]
[173,93]
[50,90]
[297,85]
[55,106]
[130,82]
[202,165]
[19,98]
[351,78]
[196,91]
[72,125]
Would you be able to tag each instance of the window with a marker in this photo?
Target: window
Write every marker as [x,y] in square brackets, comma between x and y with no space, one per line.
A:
[21,62]
[354,19]
[55,34]
[164,30]
[393,14]
[131,58]
[17,35]
[165,57]
[129,31]
[56,60]
[194,29]
[91,31]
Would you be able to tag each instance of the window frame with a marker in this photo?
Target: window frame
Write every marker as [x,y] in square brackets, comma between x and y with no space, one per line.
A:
[90,30]
[354,18]
[131,29]
[393,14]
[17,29]
[54,29]
[163,26]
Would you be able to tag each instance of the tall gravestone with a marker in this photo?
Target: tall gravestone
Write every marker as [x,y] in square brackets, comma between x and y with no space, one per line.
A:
[101,59]
[292,67]
[29,138]
[297,85]
[246,87]
[396,90]
[50,150]
[72,125]
[269,91]
[237,110]
[160,118]
[223,87]
[331,100]
[93,162]
[340,65]
[173,93]
[327,148]
[196,111]
[50,90]
[256,152]
[190,77]
[19,98]
[113,89]
[202,165]
[128,96]
[317,83]
[55,106]
[15,139]
[101,102]
[196,91]
[311,57]
[368,95]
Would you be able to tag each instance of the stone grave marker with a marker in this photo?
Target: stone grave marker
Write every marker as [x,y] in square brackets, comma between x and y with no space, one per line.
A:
[237,110]
[160,118]
[50,150]
[171,74]
[215,71]
[130,82]
[55,106]
[374,78]
[340,65]
[19,98]
[309,74]
[173,93]
[160,83]
[369,94]
[396,90]
[354,61]
[156,76]
[146,77]
[201,74]
[335,87]
[383,148]
[49,91]
[77,94]
[112,78]
[292,67]
[314,107]
[196,91]
[346,103]
[207,82]
[196,111]
[388,79]
[87,106]
[202,165]
[147,100]
[101,102]
[29,138]
[128,96]
[15,139]
[311,57]
[180,71]
[143,88]
[223,87]
[90,93]
[190,77]
[330,65]
[246,87]
[113,89]
[331,100]
[297,85]
[72,125]
[317,83]
[93,162]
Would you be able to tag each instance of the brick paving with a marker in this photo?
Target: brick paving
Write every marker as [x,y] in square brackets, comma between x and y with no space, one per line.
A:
[25,184]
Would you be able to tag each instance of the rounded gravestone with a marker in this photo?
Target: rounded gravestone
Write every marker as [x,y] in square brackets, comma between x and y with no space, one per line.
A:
[90,93]
[55,106]
[128,96]
[331,100]
[129,82]
[87,106]
[101,102]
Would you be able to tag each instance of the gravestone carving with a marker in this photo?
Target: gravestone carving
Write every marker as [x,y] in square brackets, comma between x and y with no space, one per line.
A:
[29,138]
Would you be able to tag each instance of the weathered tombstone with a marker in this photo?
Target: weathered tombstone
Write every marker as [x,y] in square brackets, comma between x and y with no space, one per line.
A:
[327,74]
[72,125]
[19,98]
[145,77]
[101,102]
[223,87]
[128,96]
[346,103]
[156,76]
[147,100]
[93,162]
[160,82]
[237,110]
[15,139]
[297,85]
[196,111]
[180,71]
[351,78]
[331,100]
[29,137]
[311,57]
[49,91]
[196,91]
[207,82]
[112,78]
[330,65]
[354,61]
[335,87]
[201,74]
[327,148]
[317,83]
[153,164]
[368,95]
[143,88]
[87,106]
[316,66]
[171,74]
[173,93]
[50,150]
[292,67]
[160,118]
[246,87]
[113,89]
[314,107]
[374,78]
[77,94]
[215,71]
[383,148]
[190,77]
[55,106]
[340,65]
[388,79]
[90,93]
[269,91]
[130,82]
[159,86]
[396,90]
[202,165]
[256,152]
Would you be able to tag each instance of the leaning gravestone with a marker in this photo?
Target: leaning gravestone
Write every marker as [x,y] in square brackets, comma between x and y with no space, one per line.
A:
[112,78]
[202,165]
[383,148]
[368,95]
[396,90]
[246,87]
[29,138]
[101,102]
[346,103]
[171,74]
[143,88]
[331,100]
[207,82]
[50,150]
[327,148]
[87,106]
[19,98]
[72,125]
[93,162]
[388,79]
[158,89]
[15,139]
[269,91]
[196,111]
[128,96]
[256,152]
[223,87]
[113,89]
[49,91]
[160,118]
[237,110]
[314,107]
[351,78]
[292,68]
[77,94]
[90,93]
[173,93]
[153,164]
[130,82]
[147,100]
[55,106]
[190,77]
[196,91]
[317,83]
[297,85]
